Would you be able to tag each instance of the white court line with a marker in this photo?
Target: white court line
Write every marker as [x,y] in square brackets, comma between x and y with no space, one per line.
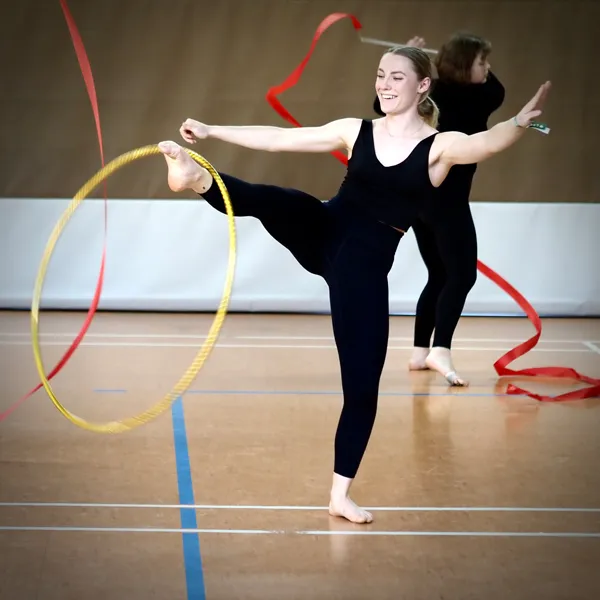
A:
[272,346]
[306,508]
[308,532]
[404,339]
[592,347]
[188,336]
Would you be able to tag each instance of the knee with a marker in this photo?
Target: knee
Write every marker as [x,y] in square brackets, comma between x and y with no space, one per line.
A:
[359,412]
[462,278]
[360,399]
[468,278]
[436,279]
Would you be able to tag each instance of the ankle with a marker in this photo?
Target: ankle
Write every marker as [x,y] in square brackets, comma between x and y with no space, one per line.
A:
[340,487]
[440,350]
[420,350]
[203,182]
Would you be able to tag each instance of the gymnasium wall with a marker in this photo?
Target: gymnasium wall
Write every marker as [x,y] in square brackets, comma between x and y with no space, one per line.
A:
[156,62]
[172,255]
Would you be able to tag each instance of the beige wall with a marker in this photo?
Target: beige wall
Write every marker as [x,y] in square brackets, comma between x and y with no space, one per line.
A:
[157,62]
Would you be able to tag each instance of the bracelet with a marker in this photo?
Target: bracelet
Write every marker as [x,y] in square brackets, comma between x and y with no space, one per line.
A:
[541,127]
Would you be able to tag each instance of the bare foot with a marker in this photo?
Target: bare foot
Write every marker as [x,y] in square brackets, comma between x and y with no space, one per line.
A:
[184,172]
[417,360]
[440,360]
[342,506]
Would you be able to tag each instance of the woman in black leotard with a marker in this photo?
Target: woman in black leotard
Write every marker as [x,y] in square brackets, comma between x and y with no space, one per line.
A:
[350,241]
[466,93]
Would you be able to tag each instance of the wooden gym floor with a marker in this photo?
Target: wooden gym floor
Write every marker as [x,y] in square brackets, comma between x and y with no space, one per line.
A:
[476,495]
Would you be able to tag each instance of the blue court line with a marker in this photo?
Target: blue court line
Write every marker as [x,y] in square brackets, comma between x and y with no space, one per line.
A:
[332,393]
[191,542]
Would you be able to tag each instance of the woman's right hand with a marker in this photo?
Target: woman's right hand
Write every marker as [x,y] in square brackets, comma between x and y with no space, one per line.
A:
[192,130]
[416,42]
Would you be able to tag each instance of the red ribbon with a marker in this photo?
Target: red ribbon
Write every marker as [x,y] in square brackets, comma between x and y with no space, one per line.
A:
[502,363]
[86,71]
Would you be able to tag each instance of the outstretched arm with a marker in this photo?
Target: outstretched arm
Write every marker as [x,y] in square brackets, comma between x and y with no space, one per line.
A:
[461,149]
[335,135]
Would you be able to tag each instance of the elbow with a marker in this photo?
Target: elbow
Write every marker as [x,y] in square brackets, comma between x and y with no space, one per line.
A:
[488,155]
[280,141]
[487,152]
[273,147]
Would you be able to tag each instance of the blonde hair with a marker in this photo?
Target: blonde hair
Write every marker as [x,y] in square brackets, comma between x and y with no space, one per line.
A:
[427,108]
[429,111]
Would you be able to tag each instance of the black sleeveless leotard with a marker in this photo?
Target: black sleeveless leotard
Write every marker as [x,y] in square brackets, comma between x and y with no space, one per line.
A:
[350,241]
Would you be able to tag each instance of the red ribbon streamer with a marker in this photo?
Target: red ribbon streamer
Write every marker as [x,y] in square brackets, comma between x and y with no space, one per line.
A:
[502,363]
[86,71]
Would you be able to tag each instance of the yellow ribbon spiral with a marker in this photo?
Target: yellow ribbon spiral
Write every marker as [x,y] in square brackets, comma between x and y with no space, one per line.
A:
[184,383]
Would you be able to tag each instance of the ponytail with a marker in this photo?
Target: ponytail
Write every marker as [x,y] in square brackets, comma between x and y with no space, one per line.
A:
[429,111]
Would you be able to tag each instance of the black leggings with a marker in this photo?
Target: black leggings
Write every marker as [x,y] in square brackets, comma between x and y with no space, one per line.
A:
[448,244]
[354,255]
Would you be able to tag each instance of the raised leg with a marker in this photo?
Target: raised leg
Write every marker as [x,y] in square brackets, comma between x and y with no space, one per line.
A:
[298,221]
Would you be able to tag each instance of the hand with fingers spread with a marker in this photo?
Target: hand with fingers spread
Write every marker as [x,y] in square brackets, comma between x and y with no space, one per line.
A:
[462,149]
[416,42]
[534,107]
[192,130]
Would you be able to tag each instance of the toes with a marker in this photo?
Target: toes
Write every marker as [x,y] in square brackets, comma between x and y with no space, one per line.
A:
[169,148]
[453,379]
[362,517]
[459,383]
[446,370]
[351,513]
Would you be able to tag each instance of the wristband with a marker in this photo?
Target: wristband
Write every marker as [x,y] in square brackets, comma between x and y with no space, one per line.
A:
[541,127]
